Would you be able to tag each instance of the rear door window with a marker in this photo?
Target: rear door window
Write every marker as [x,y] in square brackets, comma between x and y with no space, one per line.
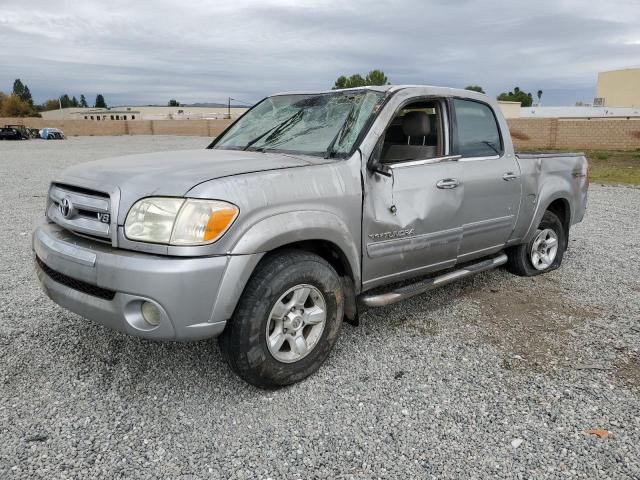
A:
[478,131]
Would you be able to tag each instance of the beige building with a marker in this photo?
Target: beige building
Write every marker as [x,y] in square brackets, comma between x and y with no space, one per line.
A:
[618,88]
[510,109]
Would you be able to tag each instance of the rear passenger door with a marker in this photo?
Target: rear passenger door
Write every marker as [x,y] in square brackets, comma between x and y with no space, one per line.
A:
[490,179]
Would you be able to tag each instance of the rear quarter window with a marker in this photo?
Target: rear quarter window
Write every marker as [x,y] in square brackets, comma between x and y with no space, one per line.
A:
[478,131]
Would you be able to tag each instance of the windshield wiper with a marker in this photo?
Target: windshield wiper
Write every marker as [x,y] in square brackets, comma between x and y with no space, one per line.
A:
[343,129]
[275,129]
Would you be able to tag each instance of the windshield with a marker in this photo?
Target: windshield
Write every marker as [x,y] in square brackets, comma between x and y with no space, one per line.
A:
[326,124]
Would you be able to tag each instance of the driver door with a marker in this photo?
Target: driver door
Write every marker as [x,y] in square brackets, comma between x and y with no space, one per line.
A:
[411,223]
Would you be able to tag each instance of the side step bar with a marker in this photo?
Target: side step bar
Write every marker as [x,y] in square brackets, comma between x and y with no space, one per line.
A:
[408,291]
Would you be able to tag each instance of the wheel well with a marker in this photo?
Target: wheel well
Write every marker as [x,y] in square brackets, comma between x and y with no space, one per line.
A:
[338,260]
[327,250]
[563,211]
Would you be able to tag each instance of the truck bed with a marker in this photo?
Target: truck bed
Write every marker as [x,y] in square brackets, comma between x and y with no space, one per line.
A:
[551,175]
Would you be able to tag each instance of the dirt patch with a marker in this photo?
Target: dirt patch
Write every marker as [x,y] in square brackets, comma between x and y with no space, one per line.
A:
[417,325]
[519,135]
[627,371]
[531,324]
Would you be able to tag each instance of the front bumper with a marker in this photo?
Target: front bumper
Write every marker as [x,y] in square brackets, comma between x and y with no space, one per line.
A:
[109,285]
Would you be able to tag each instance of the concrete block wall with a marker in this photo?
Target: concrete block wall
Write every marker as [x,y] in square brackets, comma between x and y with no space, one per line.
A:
[527,133]
[576,133]
[204,128]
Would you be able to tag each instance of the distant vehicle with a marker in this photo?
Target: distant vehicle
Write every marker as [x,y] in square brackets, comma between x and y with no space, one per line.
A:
[307,205]
[14,132]
[51,134]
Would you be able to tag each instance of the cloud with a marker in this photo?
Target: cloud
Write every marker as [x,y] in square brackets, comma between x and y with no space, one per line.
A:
[149,51]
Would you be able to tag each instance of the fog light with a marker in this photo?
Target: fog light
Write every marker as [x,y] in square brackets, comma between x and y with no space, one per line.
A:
[151,314]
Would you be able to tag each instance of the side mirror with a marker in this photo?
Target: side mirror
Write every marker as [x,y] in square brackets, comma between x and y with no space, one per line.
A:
[374,165]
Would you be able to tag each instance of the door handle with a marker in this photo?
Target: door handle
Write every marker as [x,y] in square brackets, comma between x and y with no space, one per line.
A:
[447,183]
[509,176]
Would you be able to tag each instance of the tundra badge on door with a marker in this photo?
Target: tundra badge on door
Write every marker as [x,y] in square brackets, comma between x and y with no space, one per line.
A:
[393,234]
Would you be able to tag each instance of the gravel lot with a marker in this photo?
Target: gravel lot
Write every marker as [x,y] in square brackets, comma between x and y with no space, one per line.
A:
[494,377]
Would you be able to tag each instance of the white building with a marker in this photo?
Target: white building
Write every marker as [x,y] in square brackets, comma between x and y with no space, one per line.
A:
[142,113]
[578,112]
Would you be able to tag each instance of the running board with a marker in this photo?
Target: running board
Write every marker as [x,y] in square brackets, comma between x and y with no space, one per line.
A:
[414,289]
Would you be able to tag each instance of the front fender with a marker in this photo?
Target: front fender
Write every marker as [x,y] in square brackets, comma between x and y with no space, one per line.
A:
[285,228]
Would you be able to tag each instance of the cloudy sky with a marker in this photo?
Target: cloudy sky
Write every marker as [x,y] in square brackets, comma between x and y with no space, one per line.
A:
[148,51]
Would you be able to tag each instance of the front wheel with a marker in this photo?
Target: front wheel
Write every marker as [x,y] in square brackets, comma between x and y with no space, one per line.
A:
[543,253]
[286,321]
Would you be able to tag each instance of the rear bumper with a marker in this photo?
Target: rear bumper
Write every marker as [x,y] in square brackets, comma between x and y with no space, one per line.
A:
[109,285]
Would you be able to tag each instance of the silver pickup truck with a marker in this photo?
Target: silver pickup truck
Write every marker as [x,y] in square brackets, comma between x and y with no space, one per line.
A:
[308,208]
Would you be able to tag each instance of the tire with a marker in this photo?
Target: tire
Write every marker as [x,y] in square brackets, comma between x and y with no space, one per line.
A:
[252,351]
[521,258]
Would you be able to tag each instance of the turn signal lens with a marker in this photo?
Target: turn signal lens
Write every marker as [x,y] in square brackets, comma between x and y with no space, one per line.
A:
[218,223]
[202,221]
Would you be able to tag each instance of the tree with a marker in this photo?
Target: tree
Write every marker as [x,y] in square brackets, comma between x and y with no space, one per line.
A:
[22,91]
[374,77]
[51,104]
[14,106]
[474,88]
[18,87]
[173,103]
[539,95]
[65,101]
[356,81]
[341,82]
[26,96]
[517,95]
[74,102]
[83,101]
[100,103]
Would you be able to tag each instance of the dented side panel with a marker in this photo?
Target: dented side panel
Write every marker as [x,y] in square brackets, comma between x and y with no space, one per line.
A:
[279,207]
[549,177]
[410,226]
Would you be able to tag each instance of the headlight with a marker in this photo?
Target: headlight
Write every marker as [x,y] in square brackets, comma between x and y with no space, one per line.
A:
[152,219]
[177,221]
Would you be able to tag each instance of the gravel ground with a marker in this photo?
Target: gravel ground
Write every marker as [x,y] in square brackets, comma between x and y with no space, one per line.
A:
[494,377]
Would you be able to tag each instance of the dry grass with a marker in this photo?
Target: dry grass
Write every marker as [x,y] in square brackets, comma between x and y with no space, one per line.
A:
[613,166]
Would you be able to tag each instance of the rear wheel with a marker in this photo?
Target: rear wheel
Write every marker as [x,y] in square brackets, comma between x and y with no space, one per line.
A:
[543,253]
[286,321]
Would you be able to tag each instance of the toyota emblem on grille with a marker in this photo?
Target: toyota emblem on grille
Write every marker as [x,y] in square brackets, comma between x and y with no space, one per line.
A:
[66,207]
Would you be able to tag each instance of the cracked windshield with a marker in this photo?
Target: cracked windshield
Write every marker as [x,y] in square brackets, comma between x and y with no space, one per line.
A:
[326,124]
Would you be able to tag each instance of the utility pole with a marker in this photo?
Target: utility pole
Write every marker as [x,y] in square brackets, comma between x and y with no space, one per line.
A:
[229,108]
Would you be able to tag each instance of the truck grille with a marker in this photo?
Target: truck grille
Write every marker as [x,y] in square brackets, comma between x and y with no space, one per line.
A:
[80,210]
[78,285]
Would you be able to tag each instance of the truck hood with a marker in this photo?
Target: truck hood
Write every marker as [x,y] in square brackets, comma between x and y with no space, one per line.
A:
[172,173]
